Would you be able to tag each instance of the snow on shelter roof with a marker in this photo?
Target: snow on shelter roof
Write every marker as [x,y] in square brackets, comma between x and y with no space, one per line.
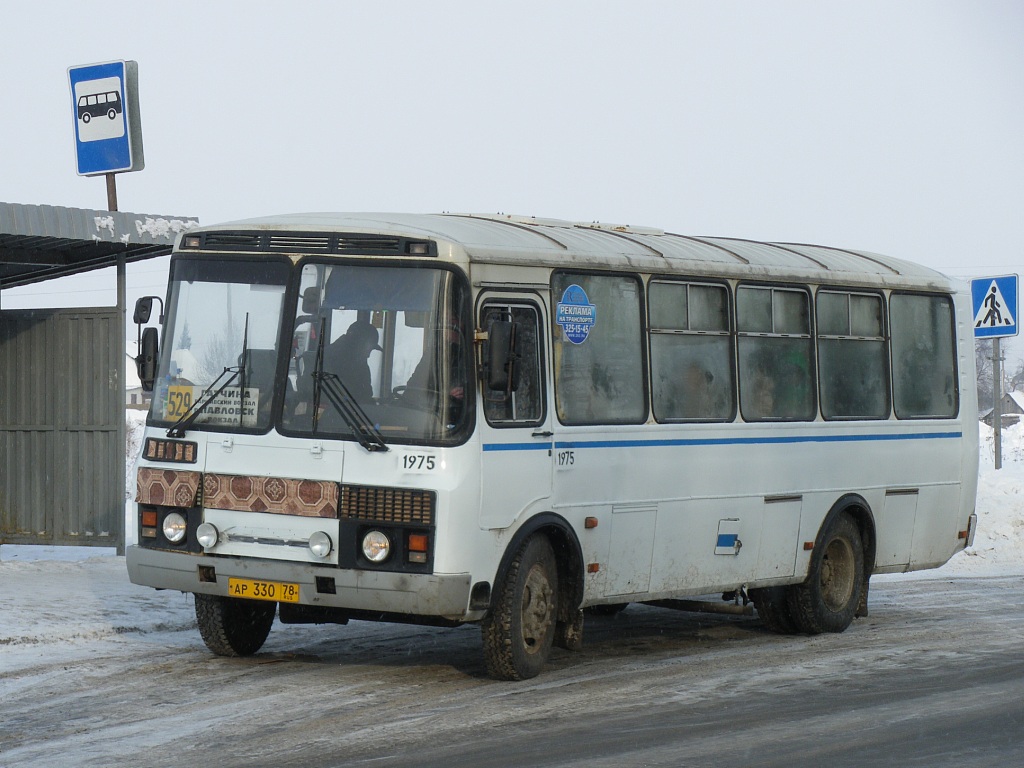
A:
[39,242]
[506,239]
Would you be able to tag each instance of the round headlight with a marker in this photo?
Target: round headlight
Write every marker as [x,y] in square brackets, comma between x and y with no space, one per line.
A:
[320,544]
[207,535]
[174,527]
[376,547]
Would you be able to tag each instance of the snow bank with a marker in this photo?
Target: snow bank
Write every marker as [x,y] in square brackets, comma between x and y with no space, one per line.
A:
[999,543]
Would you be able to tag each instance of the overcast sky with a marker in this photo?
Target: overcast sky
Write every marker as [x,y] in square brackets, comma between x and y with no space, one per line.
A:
[895,127]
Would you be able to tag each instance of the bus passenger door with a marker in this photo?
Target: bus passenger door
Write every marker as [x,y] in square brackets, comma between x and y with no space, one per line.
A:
[515,429]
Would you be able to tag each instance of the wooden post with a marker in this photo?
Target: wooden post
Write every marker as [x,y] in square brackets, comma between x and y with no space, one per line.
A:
[111,192]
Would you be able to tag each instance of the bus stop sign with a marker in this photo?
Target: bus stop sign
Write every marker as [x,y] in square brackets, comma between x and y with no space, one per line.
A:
[994,300]
[105,104]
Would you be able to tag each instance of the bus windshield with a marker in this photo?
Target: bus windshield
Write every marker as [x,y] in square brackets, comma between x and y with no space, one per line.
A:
[381,346]
[221,314]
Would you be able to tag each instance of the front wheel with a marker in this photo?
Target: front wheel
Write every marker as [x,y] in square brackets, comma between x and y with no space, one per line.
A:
[234,627]
[519,630]
[827,601]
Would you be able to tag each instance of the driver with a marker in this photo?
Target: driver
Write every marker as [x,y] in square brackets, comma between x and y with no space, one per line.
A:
[348,358]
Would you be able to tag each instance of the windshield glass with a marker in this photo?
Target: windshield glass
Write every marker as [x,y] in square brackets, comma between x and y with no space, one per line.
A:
[216,311]
[379,345]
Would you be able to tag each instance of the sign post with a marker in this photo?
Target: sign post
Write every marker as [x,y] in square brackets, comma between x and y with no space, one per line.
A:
[994,300]
[108,141]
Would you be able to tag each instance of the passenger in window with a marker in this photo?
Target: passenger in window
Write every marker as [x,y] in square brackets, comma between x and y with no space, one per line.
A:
[347,358]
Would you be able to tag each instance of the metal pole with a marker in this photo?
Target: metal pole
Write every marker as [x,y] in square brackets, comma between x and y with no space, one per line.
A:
[997,398]
[122,371]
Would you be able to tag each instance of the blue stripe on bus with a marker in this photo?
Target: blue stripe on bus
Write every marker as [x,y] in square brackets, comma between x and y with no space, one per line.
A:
[689,442]
[517,446]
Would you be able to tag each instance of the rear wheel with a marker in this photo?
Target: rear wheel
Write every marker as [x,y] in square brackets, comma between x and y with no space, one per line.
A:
[772,605]
[233,627]
[519,630]
[827,601]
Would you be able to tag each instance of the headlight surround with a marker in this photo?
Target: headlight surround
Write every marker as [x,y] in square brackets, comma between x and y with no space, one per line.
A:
[207,535]
[320,544]
[174,527]
[376,546]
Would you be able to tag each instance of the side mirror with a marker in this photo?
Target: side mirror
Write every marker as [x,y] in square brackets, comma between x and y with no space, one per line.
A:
[310,300]
[144,310]
[502,360]
[145,363]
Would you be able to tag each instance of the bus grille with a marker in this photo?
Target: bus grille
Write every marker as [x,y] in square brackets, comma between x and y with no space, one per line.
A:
[387,505]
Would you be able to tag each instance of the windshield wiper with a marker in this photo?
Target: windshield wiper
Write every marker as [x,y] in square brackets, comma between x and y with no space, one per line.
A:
[188,417]
[344,403]
[238,372]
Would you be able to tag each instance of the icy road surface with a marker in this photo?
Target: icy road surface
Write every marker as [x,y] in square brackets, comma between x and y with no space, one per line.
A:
[97,672]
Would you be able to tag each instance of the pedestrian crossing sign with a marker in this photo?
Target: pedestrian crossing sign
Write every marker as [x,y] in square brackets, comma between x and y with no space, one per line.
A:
[994,300]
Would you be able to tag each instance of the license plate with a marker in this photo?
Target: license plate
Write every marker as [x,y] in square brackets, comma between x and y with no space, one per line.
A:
[254,589]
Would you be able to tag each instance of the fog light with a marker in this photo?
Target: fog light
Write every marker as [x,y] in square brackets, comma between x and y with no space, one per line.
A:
[207,535]
[376,547]
[320,544]
[174,527]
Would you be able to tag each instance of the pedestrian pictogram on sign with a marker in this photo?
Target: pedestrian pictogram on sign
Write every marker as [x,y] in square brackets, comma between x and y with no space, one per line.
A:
[995,306]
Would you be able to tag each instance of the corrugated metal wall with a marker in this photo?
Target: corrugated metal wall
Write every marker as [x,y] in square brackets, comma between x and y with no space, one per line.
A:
[61,427]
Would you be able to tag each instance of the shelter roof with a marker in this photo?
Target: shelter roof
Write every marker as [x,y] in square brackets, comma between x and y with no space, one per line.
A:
[40,242]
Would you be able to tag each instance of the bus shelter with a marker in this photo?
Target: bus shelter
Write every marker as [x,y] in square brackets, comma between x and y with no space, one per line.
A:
[62,374]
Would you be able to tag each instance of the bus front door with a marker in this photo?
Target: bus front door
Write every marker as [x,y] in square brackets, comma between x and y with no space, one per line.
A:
[516,433]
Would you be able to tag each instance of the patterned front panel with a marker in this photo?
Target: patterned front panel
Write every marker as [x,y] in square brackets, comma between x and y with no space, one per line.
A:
[277,495]
[168,487]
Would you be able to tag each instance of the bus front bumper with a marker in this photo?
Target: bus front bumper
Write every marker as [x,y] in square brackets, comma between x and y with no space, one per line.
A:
[429,595]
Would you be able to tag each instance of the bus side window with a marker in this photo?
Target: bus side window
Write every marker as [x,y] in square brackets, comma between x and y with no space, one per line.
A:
[852,361]
[523,404]
[600,370]
[923,356]
[691,352]
[776,370]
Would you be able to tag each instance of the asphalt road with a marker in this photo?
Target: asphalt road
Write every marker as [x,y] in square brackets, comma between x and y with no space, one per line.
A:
[933,677]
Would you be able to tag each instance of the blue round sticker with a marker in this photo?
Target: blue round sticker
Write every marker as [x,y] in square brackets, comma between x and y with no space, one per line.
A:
[575,314]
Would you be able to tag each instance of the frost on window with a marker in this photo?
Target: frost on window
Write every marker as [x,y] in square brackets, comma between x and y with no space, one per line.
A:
[852,361]
[776,371]
[923,355]
[600,379]
[691,352]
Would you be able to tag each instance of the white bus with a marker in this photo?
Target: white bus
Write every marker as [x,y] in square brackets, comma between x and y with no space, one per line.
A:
[507,420]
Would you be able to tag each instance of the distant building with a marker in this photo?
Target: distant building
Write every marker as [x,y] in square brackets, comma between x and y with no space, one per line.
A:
[1011,408]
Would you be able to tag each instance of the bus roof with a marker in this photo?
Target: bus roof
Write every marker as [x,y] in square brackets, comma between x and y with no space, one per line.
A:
[520,240]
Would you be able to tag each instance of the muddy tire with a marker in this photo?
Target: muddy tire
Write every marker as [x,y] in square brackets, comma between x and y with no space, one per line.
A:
[772,605]
[827,601]
[520,628]
[233,627]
